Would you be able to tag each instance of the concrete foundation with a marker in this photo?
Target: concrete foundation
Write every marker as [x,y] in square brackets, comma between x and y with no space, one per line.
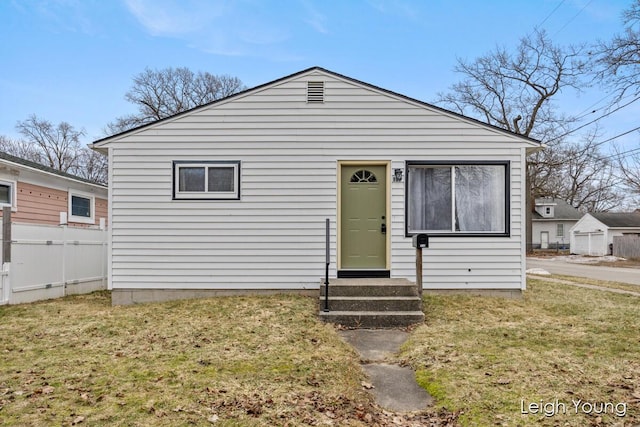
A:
[503,293]
[140,296]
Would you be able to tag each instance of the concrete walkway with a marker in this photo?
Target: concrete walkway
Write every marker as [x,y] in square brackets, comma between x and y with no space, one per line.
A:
[394,387]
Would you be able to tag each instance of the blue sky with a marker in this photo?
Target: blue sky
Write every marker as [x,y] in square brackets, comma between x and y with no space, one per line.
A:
[73,60]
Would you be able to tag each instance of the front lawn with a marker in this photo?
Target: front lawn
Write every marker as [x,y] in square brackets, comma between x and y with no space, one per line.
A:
[561,356]
[255,361]
[224,361]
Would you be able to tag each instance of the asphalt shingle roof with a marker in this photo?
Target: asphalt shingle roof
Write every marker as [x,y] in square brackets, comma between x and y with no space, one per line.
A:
[562,210]
[34,165]
[618,219]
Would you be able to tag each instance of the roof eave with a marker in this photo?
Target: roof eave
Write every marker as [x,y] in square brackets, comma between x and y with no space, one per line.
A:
[99,149]
[533,145]
[55,175]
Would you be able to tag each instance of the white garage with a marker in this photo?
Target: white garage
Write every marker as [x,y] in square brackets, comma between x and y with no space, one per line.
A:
[594,232]
[589,243]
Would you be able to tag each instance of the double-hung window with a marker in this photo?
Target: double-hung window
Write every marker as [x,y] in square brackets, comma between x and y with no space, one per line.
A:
[210,180]
[458,198]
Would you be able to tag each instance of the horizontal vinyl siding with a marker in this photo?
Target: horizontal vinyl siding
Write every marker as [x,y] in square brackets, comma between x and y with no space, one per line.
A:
[289,151]
[42,205]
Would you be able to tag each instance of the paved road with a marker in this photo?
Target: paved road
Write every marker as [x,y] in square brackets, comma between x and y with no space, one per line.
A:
[615,274]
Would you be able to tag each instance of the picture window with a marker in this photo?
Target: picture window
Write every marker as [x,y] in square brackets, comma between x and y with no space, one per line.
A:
[462,198]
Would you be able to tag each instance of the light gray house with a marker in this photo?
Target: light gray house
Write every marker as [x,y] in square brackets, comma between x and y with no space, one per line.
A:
[593,234]
[233,195]
[552,220]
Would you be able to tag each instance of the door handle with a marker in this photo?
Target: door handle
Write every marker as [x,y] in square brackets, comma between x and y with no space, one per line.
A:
[383,228]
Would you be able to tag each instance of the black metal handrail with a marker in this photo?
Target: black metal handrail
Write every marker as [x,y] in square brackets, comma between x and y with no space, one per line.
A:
[326,268]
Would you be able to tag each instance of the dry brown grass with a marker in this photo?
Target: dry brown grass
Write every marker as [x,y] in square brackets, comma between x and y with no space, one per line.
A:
[601,283]
[254,361]
[236,361]
[225,361]
[485,356]
[625,263]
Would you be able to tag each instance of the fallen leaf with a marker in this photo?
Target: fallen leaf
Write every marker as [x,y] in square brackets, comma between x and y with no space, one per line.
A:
[367,385]
[48,389]
[77,420]
[213,419]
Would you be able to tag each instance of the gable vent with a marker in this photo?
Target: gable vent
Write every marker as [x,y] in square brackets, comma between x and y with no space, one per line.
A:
[315,92]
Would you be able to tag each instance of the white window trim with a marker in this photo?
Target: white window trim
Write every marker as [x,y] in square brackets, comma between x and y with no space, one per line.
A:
[82,219]
[559,227]
[13,194]
[206,195]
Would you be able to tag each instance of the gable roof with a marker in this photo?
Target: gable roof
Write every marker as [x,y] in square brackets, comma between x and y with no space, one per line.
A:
[33,165]
[562,210]
[533,142]
[618,219]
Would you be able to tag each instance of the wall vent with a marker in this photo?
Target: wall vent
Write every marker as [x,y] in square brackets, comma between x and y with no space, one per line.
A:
[315,92]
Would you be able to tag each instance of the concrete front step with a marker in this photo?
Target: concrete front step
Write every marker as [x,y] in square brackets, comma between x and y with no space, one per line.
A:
[369,287]
[372,303]
[369,303]
[373,319]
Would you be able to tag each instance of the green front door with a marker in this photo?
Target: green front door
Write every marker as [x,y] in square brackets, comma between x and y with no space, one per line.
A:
[363,217]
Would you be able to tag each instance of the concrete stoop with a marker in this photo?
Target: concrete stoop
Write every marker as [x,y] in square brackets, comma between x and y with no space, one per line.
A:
[371,303]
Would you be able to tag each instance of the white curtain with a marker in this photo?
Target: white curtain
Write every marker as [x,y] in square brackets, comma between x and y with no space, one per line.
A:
[430,199]
[480,198]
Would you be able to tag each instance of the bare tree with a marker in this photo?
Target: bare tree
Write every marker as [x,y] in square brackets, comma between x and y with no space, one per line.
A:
[20,148]
[618,61]
[590,180]
[94,166]
[58,145]
[629,163]
[161,93]
[515,91]
[618,67]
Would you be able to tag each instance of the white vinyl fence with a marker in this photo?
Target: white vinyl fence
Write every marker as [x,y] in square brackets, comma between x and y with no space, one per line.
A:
[53,261]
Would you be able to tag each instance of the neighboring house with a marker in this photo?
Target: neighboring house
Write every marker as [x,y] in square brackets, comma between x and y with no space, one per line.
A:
[39,194]
[552,220]
[47,260]
[233,195]
[593,234]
